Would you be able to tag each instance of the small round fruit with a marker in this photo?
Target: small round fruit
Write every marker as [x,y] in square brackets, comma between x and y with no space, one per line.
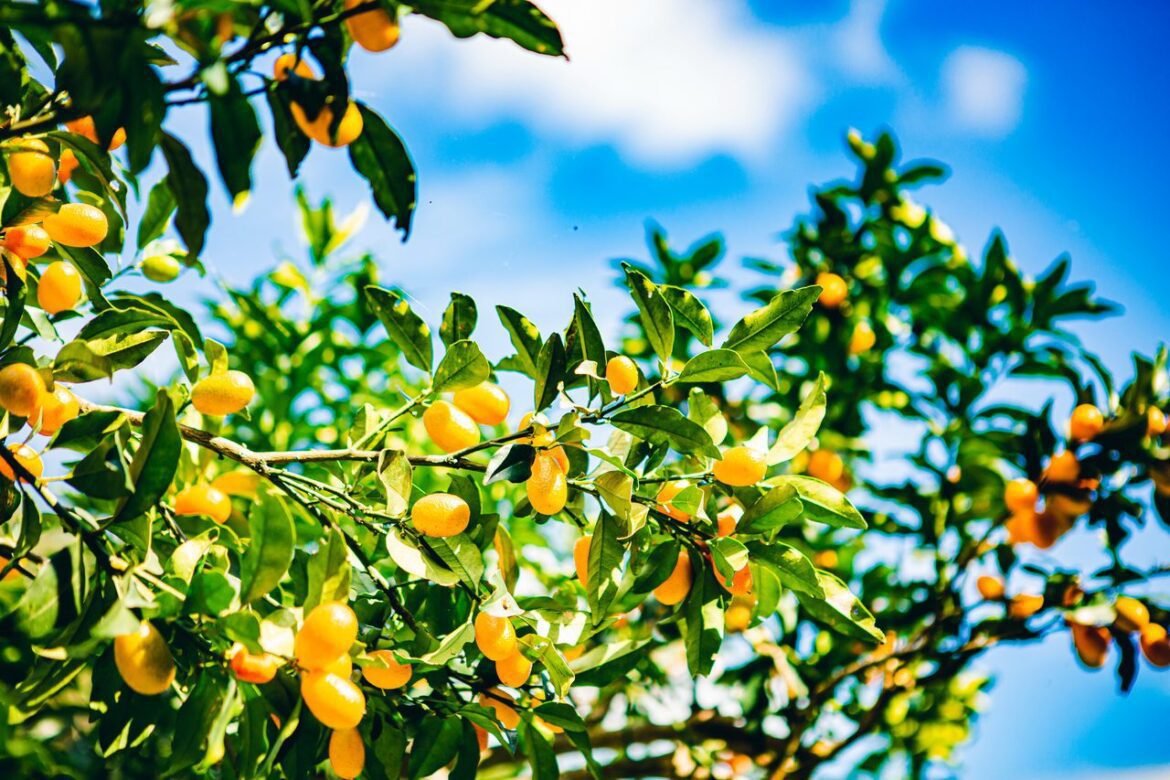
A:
[27,241]
[1063,468]
[60,288]
[666,494]
[77,225]
[25,456]
[319,128]
[289,63]
[1091,644]
[393,675]
[741,581]
[1155,419]
[56,409]
[440,514]
[374,30]
[1132,615]
[727,520]
[450,428]
[161,268]
[202,499]
[1025,605]
[31,169]
[21,389]
[834,290]
[738,615]
[494,636]
[224,393]
[485,403]
[990,588]
[678,584]
[741,466]
[622,375]
[581,559]
[1020,495]
[548,487]
[1086,422]
[505,714]
[239,482]
[862,339]
[514,670]
[66,166]
[825,465]
[144,661]
[334,701]
[1155,645]
[347,753]
[826,559]
[326,634]
[249,667]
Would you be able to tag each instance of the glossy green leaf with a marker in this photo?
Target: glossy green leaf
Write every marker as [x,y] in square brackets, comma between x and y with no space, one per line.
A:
[407,330]
[463,365]
[716,365]
[271,549]
[665,425]
[764,327]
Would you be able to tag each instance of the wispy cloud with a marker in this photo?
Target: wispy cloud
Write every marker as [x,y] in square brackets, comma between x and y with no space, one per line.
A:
[984,90]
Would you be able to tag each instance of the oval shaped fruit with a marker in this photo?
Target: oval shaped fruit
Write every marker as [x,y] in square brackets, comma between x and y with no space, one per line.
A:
[738,615]
[319,128]
[666,493]
[990,588]
[727,520]
[581,559]
[59,288]
[31,169]
[825,465]
[548,487]
[1020,495]
[25,456]
[342,666]
[1156,645]
[1091,644]
[251,667]
[21,389]
[56,409]
[347,753]
[27,241]
[834,290]
[678,584]
[393,675]
[559,455]
[740,466]
[326,634]
[144,661]
[1025,605]
[1086,422]
[450,428]
[440,514]
[485,403]
[374,30]
[1132,615]
[1155,419]
[224,393]
[494,636]
[741,581]
[862,339]
[622,375]
[240,482]
[161,268]
[289,63]
[203,500]
[514,670]
[1063,468]
[334,701]
[77,225]
[500,703]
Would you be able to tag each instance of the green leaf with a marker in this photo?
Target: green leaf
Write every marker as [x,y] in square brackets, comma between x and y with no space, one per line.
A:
[155,461]
[458,319]
[764,327]
[588,338]
[704,411]
[236,135]
[665,425]
[541,756]
[822,502]
[397,476]
[525,338]
[379,155]
[609,661]
[606,553]
[778,507]
[160,206]
[729,556]
[516,20]
[294,144]
[406,329]
[512,462]
[690,313]
[435,745]
[463,365]
[716,365]
[790,566]
[450,646]
[840,609]
[657,320]
[329,572]
[14,295]
[543,650]
[86,361]
[550,370]
[461,556]
[803,427]
[188,185]
[407,555]
[271,551]
[701,621]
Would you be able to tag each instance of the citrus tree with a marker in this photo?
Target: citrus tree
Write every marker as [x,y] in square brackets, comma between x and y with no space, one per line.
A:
[334,541]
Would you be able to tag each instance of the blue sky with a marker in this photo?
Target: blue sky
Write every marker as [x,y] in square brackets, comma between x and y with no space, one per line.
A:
[718,115]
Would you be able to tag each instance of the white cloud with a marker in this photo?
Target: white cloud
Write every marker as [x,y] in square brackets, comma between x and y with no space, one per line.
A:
[984,90]
[858,46]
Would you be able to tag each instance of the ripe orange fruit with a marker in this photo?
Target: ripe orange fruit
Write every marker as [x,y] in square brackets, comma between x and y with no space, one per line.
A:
[481,737]
[548,487]
[1020,495]
[318,128]
[1086,422]
[60,288]
[31,169]
[86,128]
[1132,615]
[738,615]
[514,670]
[347,753]
[505,714]
[1021,527]
[240,482]
[622,375]
[863,338]
[250,667]
[440,514]
[1155,645]
[66,166]
[1025,605]
[1063,468]
[161,268]
[494,636]
[374,30]
[990,588]
[826,559]
[326,634]
[77,224]
[667,492]
[56,409]
[581,559]
[1091,644]
[727,520]
[25,456]
[223,393]
[342,666]
[740,466]
[287,63]
[335,701]
[144,661]
[203,499]
[1067,508]
[835,290]
[559,455]
[450,428]
[678,584]
[741,581]
[825,465]
[485,403]
[541,436]
[26,241]
[1155,421]
[393,675]
[21,389]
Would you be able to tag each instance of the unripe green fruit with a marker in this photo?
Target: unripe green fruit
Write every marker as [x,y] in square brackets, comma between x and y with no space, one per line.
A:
[161,268]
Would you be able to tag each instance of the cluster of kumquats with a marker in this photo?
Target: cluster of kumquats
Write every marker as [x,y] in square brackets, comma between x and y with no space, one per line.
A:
[1041,514]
